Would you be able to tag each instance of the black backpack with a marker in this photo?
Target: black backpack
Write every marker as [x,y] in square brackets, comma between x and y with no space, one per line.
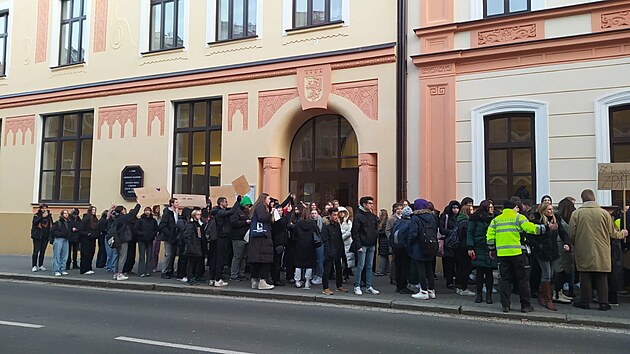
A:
[400,234]
[452,239]
[212,229]
[111,237]
[428,239]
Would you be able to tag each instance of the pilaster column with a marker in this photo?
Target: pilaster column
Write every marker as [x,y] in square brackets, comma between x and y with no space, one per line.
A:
[368,175]
[272,177]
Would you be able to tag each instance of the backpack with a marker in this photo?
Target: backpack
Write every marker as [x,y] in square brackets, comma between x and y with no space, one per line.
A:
[428,239]
[212,230]
[400,234]
[112,238]
[452,239]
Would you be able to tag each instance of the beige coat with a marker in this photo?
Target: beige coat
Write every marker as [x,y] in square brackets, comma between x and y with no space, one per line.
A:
[590,230]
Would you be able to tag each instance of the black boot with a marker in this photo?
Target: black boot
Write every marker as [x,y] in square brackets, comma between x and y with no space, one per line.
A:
[479,284]
[489,298]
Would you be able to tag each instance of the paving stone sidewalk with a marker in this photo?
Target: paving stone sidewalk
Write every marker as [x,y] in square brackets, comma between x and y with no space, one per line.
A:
[17,267]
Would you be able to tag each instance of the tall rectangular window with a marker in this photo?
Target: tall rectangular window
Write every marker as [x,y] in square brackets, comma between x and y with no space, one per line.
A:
[307,13]
[197,160]
[236,19]
[510,156]
[619,141]
[66,168]
[505,7]
[4,24]
[166,24]
[71,49]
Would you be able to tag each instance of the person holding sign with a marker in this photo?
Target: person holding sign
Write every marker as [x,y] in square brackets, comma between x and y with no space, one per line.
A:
[260,254]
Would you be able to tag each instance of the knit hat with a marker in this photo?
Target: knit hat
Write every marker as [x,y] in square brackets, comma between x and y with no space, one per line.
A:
[420,204]
[406,212]
[246,201]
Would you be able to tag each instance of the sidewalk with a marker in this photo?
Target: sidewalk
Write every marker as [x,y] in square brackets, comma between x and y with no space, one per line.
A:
[18,268]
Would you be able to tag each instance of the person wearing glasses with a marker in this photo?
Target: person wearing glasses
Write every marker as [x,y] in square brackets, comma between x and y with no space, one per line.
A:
[364,237]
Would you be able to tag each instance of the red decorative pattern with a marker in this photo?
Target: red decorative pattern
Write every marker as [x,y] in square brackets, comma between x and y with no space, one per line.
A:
[269,102]
[238,103]
[507,34]
[17,124]
[100,26]
[156,111]
[437,90]
[41,43]
[364,94]
[615,20]
[120,114]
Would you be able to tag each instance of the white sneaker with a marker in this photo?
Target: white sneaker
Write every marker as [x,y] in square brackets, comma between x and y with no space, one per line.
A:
[466,292]
[211,282]
[121,277]
[34,269]
[262,285]
[431,294]
[57,274]
[184,280]
[115,276]
[254,284]
[357,290]
[307,284]
[372,291]
[317,281]
[220,283]
[89,272]
[43,269]
[421,295]
[298,284]
[64,273]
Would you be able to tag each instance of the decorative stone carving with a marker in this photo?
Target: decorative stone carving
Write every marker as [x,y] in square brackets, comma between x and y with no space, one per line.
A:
[438,90]
[269,102]
[100,26]
[507,34]
[41,42]
[364,94]
[614,20]
[156,111]
[314,85]
[437,69]
[238,103]
[120,114]
[22,124]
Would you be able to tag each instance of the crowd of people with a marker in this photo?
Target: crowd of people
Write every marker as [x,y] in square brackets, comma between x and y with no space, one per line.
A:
[533,250]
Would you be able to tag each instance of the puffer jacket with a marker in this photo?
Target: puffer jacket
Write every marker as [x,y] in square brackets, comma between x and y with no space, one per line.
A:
[364,229]
[240,226]
[415,244]
[124,224]
[332,241]
[192,239]
[41,226]
[383,241]
[62,229]
[146,228]
[476,240]
[545,246]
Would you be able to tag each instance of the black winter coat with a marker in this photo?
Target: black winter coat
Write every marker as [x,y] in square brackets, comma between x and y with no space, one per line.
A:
[261,248]
[192,239]
[240,226]
[146,228]
[364,229]
[279,232]
[89,230]
[545,246]
[62,228]
[168,226]
[383,242]
[124,224]
[302,233]
[332,241]
[415,245]
[41,226]
[222,217]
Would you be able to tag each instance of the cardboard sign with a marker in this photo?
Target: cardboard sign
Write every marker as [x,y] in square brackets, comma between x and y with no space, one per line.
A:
[222,191]
[191,200]
[613,176]
[152,196]
[241,186]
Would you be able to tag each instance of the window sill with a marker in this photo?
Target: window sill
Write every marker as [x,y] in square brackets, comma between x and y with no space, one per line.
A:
[233,40]
[507,14]
[306,29]
[68,66]
[162,51]
[63,204]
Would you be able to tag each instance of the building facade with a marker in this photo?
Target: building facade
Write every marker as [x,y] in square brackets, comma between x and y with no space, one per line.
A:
[297,95]
[517,97]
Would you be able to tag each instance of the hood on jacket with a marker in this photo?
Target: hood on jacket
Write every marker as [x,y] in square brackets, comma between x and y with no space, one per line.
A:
[449,208]
[246,200]
[406,212]
[422,211]
[420,204]
[342,209]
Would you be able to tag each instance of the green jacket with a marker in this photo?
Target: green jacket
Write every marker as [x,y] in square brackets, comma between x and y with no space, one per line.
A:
[504,233]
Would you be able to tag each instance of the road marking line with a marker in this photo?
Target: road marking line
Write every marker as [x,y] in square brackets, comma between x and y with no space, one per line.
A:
[179,346]
[19,324]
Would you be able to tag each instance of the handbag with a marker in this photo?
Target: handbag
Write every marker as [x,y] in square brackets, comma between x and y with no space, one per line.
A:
[441,239]
[246,237]
[257,229]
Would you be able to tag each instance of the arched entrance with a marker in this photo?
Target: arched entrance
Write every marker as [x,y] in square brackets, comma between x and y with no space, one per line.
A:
[324,161]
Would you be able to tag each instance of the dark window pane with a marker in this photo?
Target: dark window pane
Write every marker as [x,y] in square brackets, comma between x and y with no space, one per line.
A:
[621,153]
[497,188]
[68,155]
[199,119]
[169,29]
[237,19]
[302,149]
[199,148]
[251,17]
[84,185]
[183,115]
[350,163]
[300,13]
[156,18]
[215,176]
[181,184]
[326,143]
[50,156]
[497,161]
[335,10]
[48,185]
[70,124]
[497,131]
[223,19]
[51,127]
[88,124]
[66,191]
[521,129]
[215,147]
[620,123]
[524,183]
[217,114]
[522,160]
[349,144]
[181,149]
[199,181]
[319,12]
[86,154]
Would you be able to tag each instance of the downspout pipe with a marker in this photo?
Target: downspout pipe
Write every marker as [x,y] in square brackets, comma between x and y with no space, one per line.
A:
[401,102]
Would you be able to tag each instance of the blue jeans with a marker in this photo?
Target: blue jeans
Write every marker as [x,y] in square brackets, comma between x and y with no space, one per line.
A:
[368,253]
[319,269]
[60,255]
[112,258]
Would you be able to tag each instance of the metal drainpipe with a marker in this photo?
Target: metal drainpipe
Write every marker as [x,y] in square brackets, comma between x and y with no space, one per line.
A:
[401,102]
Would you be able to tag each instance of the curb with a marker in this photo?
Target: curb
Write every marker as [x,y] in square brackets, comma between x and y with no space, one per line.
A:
[316,298]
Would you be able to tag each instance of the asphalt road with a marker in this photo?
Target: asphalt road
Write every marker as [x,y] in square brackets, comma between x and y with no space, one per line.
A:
[87,320]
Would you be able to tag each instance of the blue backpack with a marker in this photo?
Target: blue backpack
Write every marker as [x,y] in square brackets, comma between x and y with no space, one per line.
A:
[400,234]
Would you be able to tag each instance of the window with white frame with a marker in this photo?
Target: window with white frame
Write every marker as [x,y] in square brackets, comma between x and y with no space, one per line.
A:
[236,19]
[505,7]
[4,25]
[307,13]
[166,24]
[619,124]
[72,28]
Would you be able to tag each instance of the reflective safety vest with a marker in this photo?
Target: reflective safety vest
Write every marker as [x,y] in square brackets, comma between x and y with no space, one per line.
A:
[504,233]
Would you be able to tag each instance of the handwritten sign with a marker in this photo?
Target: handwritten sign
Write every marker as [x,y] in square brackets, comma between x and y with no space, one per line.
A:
[152,196]
[131,177]
[191,200]
[613,176]
[222,191]
[241,186]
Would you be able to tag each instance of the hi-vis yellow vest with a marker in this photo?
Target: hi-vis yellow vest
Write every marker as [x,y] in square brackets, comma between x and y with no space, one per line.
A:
[504,233]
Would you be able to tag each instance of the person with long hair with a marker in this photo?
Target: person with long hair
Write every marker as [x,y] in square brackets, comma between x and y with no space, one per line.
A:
[90,232]
[565,266]
[478,249]
[545,250]
[40,234]
[346,227]
[305,258]
[463,266]
[383,244]
[448,221]
[260,252]
[61,232]
[193,249]
[146,229]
